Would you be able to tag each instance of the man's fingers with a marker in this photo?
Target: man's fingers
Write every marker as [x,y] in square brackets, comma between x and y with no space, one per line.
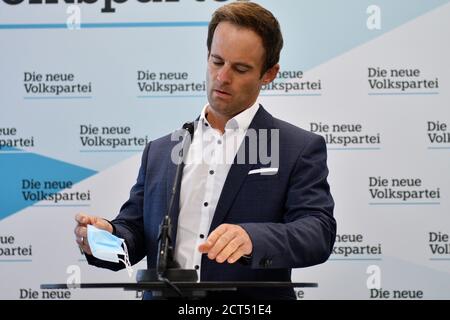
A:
[83,218]
[81,231]
[203,248]
[217,248]
[227,243]
[82,240]
[235,256]
[212,239]
[221,242]
[85,248]
[231,247]
[216,234]
[102,224]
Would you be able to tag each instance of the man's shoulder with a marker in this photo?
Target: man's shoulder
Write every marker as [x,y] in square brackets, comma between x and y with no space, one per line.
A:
[163,140]
[161,144]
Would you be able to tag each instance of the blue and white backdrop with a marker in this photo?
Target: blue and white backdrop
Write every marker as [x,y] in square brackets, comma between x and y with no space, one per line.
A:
[85,85]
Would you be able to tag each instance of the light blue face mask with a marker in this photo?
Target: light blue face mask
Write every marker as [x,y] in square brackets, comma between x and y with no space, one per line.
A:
[106,246]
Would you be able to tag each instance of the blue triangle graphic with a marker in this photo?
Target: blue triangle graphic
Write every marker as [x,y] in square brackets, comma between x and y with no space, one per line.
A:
[17,167]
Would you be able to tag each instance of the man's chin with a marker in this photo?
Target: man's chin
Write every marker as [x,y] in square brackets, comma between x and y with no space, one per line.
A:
[218,106]
[221,107]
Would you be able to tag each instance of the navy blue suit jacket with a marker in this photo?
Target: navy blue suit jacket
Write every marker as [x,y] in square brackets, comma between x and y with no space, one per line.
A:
[288,215]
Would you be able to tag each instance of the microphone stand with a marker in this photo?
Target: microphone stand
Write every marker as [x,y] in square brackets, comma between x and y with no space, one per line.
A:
[167,268]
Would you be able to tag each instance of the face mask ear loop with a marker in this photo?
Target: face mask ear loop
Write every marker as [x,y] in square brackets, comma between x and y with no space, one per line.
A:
[126,262]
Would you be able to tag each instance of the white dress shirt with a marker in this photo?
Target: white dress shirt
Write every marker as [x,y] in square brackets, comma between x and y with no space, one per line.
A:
[209,159]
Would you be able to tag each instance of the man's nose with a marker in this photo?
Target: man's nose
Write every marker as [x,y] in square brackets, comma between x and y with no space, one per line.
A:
[224,74]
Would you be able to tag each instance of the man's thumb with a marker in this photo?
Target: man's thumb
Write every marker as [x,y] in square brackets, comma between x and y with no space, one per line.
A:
[101,223]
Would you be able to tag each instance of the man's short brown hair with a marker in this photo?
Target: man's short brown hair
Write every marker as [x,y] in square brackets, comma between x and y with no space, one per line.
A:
[252,16]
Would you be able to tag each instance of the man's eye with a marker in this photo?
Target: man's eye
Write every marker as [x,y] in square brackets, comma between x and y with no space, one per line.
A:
[217,63]
[241,70]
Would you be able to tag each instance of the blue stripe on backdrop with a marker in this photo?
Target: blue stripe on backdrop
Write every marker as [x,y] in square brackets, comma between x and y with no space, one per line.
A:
[104,25]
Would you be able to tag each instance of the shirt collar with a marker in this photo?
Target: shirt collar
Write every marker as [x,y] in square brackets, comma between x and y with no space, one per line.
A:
[241,121]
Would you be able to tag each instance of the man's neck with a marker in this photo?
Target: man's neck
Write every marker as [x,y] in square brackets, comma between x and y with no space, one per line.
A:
[216,120]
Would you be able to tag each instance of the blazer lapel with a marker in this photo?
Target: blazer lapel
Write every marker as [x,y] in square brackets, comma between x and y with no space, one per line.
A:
[238,172]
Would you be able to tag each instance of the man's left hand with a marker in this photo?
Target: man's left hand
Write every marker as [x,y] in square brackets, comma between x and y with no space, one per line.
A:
[228,242]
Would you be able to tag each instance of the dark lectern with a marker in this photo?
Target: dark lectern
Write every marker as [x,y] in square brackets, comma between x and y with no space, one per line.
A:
[189,290]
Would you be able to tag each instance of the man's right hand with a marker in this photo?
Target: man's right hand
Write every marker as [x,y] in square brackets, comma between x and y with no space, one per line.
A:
[81,229]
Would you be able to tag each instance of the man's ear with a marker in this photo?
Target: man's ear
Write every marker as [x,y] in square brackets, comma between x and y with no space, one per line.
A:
[270,74]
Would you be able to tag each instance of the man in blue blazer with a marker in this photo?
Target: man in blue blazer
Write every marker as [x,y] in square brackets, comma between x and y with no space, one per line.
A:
[248,219]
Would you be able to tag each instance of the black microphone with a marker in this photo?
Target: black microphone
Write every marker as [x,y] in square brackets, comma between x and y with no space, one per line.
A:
[165,250]
[167,268]
[189,126]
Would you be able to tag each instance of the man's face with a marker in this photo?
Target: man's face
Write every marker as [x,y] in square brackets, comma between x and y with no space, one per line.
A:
[234,69]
